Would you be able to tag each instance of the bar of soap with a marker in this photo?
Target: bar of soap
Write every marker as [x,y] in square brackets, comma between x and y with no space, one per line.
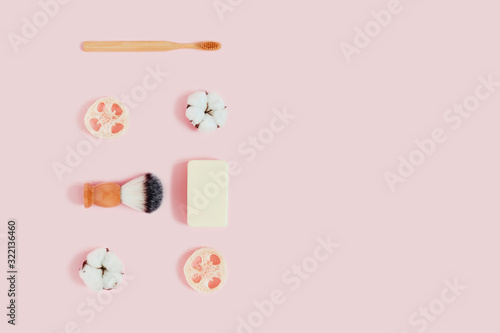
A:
[207,187]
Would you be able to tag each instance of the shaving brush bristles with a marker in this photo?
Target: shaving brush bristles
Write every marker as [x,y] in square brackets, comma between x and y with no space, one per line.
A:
[144,193]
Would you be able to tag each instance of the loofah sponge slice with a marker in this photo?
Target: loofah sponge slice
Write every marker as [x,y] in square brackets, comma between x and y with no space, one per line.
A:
[102,270]
[206,111]
[205,270]
[107,118]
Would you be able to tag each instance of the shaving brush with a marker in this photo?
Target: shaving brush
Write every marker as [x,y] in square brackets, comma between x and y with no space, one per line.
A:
[144,193]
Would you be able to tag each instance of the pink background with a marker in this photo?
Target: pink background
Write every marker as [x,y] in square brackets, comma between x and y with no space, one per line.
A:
[323,175]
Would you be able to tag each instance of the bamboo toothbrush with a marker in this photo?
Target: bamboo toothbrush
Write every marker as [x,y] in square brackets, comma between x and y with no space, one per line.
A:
[147,46]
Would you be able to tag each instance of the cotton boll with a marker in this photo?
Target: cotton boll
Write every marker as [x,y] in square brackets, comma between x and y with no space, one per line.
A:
[112,263]
[215,102]
[220,117]
[206,111]
[96,257]
[111,280]
[92,277]
[195,114]
[198,99]
[208,124]
[102,270]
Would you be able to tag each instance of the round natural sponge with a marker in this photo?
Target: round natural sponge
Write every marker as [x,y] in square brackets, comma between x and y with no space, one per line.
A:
[205,270]
[102,270]
[206,111]
[107,118]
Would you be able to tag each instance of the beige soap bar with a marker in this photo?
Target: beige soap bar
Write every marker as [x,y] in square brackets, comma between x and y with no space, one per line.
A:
[207,186]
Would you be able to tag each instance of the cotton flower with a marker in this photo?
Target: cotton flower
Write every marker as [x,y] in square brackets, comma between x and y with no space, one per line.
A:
[206,111]
[102,270]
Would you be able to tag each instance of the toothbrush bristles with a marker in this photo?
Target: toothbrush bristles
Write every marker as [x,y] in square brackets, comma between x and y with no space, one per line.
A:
[210,45]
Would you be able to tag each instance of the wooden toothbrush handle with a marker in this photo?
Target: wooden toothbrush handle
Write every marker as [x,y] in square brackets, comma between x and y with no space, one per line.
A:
[133,46]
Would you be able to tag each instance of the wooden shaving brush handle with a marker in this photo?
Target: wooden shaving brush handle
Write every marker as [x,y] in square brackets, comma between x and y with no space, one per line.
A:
[104,195]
